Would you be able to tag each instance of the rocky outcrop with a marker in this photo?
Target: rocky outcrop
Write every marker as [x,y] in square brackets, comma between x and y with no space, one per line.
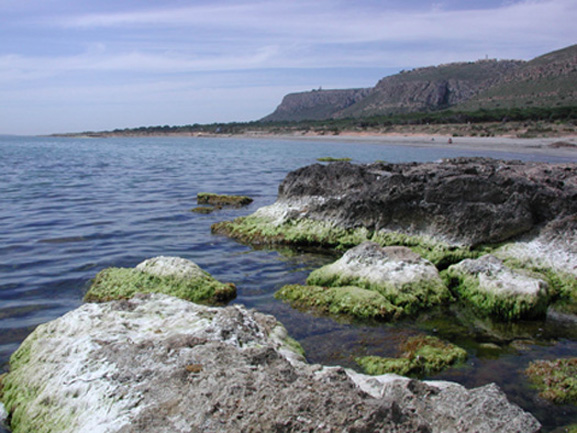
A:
[445,212]
[546,81]
[421,89]
[169,275]
[431,88]
[461,201]
[499,291]
[401,276]
[315,105]
[156,363]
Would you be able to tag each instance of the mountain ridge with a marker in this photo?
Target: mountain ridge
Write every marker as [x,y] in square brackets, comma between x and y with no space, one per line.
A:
[550,79]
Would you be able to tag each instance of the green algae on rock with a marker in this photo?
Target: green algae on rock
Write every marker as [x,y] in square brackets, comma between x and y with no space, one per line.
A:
[263,229]
[351,301]
[205,209]
[421,355]
[332,159]
[169,275]
[556,379]
[497,290]
[223,199]
[562,284]
[158,363]
[401,276]
[269,226]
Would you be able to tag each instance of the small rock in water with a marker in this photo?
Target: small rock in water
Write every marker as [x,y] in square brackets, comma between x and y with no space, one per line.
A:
[495,289]
[401,276]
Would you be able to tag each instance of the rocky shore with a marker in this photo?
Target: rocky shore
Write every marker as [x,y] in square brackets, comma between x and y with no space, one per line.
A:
[155,363]
[144,354]
[451,214]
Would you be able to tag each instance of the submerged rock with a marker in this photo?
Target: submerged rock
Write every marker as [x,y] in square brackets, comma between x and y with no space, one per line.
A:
[496,290]
[156,363]
[421,355]
[556,379]
[223,199]
[170,275]
[401,276]
[349,301]
[463,201]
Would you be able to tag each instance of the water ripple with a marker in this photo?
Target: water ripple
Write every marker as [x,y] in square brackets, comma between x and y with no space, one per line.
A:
[69,208]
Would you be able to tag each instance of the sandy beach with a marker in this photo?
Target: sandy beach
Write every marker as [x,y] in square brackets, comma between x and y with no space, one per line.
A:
[559,146]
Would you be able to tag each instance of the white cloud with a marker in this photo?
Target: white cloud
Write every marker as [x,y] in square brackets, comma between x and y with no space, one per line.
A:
[132,59]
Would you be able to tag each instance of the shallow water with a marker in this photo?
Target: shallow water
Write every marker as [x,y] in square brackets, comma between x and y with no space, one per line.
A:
[71,207]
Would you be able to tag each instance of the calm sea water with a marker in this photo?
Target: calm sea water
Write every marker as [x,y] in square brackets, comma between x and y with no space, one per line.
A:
[71,207]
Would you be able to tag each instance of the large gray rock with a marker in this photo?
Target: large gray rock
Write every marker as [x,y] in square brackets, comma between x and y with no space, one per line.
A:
[156,363]
[463,200]
[554,248]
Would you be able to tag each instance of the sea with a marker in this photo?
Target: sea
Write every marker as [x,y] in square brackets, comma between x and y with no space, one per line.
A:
[70,207]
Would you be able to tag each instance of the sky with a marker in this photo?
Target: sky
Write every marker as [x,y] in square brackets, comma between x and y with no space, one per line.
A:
[88,65]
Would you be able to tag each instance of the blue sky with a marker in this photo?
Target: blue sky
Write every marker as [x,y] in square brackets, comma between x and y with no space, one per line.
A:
[70,65]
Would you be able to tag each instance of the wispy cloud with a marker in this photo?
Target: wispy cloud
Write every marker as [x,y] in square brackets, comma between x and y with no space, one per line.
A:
[336,21]
[72,49]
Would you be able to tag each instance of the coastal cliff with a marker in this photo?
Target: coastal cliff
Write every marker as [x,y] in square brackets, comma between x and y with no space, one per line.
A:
[316,104]
[546,81]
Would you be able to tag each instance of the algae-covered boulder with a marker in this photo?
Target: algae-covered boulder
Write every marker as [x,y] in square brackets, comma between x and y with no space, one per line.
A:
[461,202]
[223,199]
[556,379]
[169,275]
[155,363]
[218,201]
[553,255]
[421,355]
[350,301]
[401,276]
[496,290]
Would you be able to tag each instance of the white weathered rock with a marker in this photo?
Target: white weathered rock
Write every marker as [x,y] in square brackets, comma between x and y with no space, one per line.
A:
[3,414]
[497,279]
[558,253]
[156,363]
[377,265]
[403,277]
[497,290]
[170,267]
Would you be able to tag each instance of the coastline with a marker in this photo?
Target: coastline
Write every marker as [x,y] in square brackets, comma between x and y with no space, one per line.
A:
[541,145]
[561,145]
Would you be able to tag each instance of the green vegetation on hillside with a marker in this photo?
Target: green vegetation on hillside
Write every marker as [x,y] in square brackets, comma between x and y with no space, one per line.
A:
[563,115]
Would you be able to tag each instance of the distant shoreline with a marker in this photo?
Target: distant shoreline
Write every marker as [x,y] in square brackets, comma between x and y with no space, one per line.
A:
[558,146]
[562,146]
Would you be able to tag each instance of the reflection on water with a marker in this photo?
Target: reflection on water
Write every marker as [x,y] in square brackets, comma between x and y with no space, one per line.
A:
[69,208]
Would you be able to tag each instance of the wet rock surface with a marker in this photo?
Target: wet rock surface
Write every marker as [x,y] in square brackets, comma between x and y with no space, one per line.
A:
[463,200]
[403,277]
[156,363]
[498,290]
